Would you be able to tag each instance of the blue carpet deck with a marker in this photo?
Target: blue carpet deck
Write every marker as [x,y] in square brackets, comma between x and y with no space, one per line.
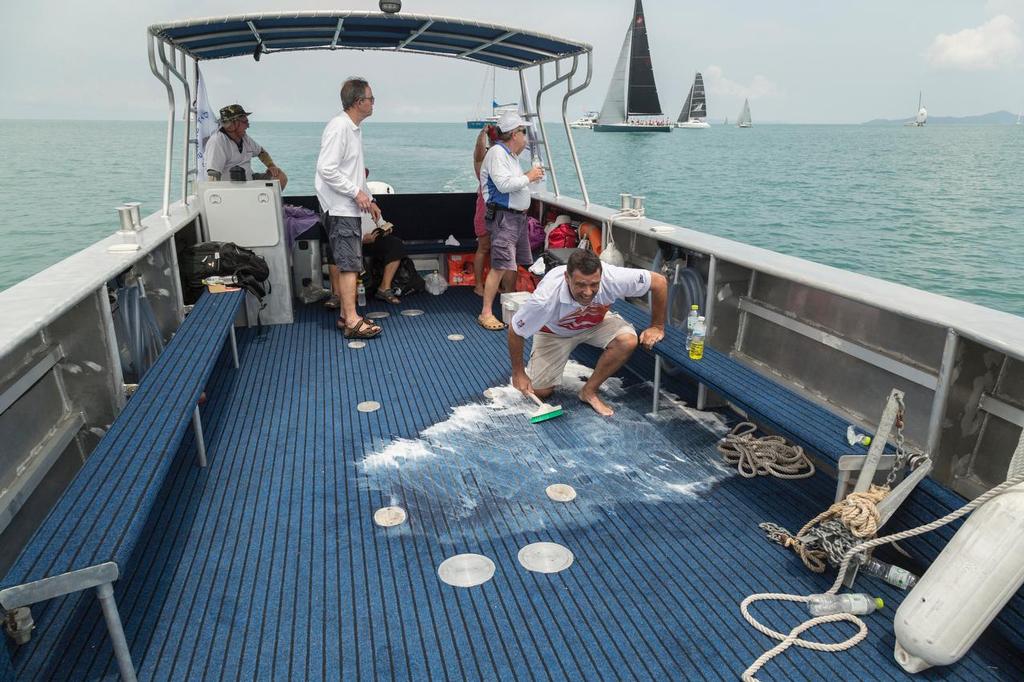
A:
[267,564]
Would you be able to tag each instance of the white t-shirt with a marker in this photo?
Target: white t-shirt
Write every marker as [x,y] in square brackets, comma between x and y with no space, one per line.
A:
[340,169]
[503,180]
[222,153]
[552,308]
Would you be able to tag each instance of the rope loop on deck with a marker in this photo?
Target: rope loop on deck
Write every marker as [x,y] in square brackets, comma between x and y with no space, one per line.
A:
[765,456]
[793,638]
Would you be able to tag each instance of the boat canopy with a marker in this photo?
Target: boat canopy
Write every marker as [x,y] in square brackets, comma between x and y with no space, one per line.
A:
[258,34]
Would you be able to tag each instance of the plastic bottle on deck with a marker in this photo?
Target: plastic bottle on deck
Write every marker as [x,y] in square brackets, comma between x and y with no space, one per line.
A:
[857,604]
[894,575]
[360,293]
[691,321]
[697,342]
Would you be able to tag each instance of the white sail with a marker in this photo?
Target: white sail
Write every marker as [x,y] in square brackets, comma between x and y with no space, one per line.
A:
[744,118]
[922,113]
[614,108]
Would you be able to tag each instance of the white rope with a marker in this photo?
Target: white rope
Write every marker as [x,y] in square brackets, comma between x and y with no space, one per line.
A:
[765,456]
[793,637]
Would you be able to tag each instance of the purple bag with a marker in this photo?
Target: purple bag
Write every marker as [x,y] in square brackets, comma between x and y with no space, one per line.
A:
[536,232]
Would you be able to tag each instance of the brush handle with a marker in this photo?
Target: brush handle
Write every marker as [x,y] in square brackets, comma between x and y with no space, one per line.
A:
[540,403]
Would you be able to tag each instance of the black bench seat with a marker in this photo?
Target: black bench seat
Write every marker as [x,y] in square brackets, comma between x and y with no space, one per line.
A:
[90,533]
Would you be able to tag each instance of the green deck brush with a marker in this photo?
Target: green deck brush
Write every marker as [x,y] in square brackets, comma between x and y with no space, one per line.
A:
[545,412]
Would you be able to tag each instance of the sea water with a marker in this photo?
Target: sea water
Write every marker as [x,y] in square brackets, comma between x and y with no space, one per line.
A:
[938,208]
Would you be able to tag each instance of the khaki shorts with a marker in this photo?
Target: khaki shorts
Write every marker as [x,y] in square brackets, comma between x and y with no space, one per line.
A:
[551,352]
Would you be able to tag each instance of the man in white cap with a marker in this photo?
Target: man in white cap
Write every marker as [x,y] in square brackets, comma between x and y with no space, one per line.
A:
[507,196]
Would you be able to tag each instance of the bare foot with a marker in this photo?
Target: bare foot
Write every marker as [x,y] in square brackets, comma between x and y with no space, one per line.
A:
[479,291]
[595,402]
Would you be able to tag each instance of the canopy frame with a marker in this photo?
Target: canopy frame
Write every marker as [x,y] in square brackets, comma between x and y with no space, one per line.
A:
[173,45]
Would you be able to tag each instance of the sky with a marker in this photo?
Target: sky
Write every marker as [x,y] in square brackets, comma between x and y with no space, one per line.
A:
[799,61]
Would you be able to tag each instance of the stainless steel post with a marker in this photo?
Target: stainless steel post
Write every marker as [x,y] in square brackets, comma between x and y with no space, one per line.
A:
[234,346]
[197,427]
[657,383]
[163,78]
[709,309]
[105,593]
[570,91]
[941,392]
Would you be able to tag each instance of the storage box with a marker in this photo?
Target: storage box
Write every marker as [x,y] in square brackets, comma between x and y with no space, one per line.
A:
[428,264]
[510,304]
[460,270]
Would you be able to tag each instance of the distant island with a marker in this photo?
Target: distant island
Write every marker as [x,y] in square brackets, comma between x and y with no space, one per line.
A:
[995,118]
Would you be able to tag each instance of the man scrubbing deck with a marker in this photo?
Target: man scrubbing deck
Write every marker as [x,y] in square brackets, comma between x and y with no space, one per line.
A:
[570,307]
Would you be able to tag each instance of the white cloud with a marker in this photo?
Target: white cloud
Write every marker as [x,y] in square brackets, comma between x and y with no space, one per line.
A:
[989,46]
[720,85]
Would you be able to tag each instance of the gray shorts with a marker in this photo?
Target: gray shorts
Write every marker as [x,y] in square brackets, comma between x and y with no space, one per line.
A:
[510,240]
[346,236]
[551,352]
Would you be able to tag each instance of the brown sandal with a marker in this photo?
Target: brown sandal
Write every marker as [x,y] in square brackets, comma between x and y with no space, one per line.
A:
[490,323]
[332,302]
[363,329]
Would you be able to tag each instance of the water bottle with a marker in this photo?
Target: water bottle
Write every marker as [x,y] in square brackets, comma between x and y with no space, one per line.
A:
[894,575]
[435,284]
[857,604]
[691,321]
[697,342]
[361,293]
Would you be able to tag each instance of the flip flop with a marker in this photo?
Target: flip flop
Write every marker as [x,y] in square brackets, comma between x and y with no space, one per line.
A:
[490,323]
[363,329]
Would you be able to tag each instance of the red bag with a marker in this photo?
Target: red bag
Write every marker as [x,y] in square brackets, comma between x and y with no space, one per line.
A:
[526,280]
[563,237]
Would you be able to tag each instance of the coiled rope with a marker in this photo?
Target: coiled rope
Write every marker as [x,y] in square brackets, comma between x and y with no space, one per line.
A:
[765,456]
[794,635]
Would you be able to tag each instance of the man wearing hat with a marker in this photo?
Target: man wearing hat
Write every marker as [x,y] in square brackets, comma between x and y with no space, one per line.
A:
[231,146]
[506,190]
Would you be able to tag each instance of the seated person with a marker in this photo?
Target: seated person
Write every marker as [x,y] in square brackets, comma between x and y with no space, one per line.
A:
[230,146]
[386,250]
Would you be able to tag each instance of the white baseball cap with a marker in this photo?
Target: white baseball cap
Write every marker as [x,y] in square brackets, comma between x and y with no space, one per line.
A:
[511,120]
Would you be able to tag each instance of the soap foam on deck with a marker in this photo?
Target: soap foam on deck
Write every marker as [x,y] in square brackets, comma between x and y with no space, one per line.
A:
[487,465]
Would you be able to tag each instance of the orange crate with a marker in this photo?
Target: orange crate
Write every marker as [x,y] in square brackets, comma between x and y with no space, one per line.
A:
[460,270]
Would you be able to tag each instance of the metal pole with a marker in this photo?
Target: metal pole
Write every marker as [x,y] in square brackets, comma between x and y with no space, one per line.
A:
[187,120]
[657,383]
[197,426]
[105,593]
[234,346]
[163,78]
[709,309]
[741,333]
[568,130]
[942,392]
[867,472]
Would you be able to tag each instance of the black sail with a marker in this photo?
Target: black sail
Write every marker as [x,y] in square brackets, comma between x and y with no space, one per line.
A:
[642,98]
[698,105]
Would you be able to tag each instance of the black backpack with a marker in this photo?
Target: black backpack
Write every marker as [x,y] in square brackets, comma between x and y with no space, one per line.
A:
[199,261]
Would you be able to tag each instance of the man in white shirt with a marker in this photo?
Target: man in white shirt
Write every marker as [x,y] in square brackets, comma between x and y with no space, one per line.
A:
[340,185]
[570,307]
[231,146]
[506,191]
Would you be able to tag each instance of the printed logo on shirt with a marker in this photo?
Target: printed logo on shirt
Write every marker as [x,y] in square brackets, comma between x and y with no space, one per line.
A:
[641,279]
[585,318]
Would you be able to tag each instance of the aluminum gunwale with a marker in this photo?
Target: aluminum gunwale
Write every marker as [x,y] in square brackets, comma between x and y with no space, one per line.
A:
[992,328]
[34,303]
[159,31]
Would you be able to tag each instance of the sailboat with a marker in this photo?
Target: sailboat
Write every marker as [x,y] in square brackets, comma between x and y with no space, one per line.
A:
[632,103]
[497,109]
[922,114]
[695,110]
[1020,118]
[744,118]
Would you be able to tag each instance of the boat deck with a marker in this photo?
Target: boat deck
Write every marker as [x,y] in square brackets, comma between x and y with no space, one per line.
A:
[267,564]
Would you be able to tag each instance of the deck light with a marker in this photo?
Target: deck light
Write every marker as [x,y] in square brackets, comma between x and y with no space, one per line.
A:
[390,6]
